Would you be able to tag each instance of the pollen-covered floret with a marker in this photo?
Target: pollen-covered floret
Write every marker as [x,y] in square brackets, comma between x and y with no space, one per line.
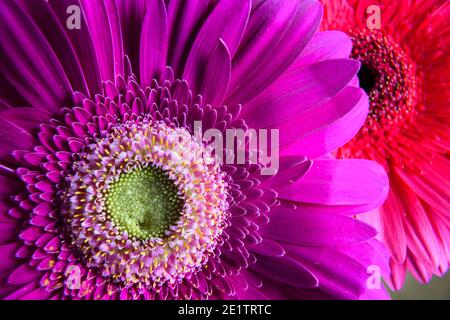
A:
[146,203]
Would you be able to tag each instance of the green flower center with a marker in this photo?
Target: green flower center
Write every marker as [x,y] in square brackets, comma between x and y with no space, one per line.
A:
[144,202]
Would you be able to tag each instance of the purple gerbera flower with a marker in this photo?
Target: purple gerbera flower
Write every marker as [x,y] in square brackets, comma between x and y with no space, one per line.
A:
[105,192]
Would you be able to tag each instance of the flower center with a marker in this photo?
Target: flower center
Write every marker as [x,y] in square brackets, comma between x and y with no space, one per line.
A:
[144,202]
[388,77]
[367,78]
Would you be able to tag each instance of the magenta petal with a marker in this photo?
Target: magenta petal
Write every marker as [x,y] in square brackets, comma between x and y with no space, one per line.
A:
[285,270]
[21,291]
[291,226]
[41,80]
[375,294]
[333,124]
[4,210]
[8,186]
[55,32]
[82,43]
[4,105]
[183,16]
[8,232]
[268,248]
[23,275]
[131,14]
[291,42]
[291,169]
[340,182]
[216,76]
[13,137]
[104,27]
[26,118]
[252,294]
[53,245]
[299,91]
[43,240]
[267,21]
[328,45]
[154,42]
[8,256]
[116,36]
[217,27]
[348,210]
[37,294]
[43,209]
[348,278]
[31,234]
[370,253]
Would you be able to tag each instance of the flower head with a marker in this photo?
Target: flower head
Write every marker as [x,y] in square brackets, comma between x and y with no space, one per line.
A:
[405,73]
[106,191]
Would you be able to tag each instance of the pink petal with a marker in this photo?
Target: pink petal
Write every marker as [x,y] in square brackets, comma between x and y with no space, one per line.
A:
[154,42]
[340,182]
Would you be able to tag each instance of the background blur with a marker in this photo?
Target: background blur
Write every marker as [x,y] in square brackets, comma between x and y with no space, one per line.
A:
[437,289]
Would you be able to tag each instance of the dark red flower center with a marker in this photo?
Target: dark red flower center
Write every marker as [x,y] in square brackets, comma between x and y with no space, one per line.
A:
[389,78]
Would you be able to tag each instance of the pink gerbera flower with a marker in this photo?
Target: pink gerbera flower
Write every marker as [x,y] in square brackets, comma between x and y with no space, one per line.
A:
[105,192]
[405,70]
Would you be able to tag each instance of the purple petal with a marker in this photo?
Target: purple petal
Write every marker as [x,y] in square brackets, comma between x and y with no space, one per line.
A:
[217,27]
[23,275]
[154,42]
[252,294]
[216,76]
[301,228]
[7,256]
[13,137]
[183,18]
[331,124]
[268,248]
[249,81]
[29,63]
[341,275]
[21,291]
[54,31]
[131,14]
[340,182]
[37,294]
[299,91]
[103,23]
[31,234]
[267,21]
[324,46]
[291,169]
[8,232]
[83,45]
[285,270]
[26,118]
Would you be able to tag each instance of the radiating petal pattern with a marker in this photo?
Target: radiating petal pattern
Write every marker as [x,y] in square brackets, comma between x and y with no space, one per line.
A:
[106,192]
